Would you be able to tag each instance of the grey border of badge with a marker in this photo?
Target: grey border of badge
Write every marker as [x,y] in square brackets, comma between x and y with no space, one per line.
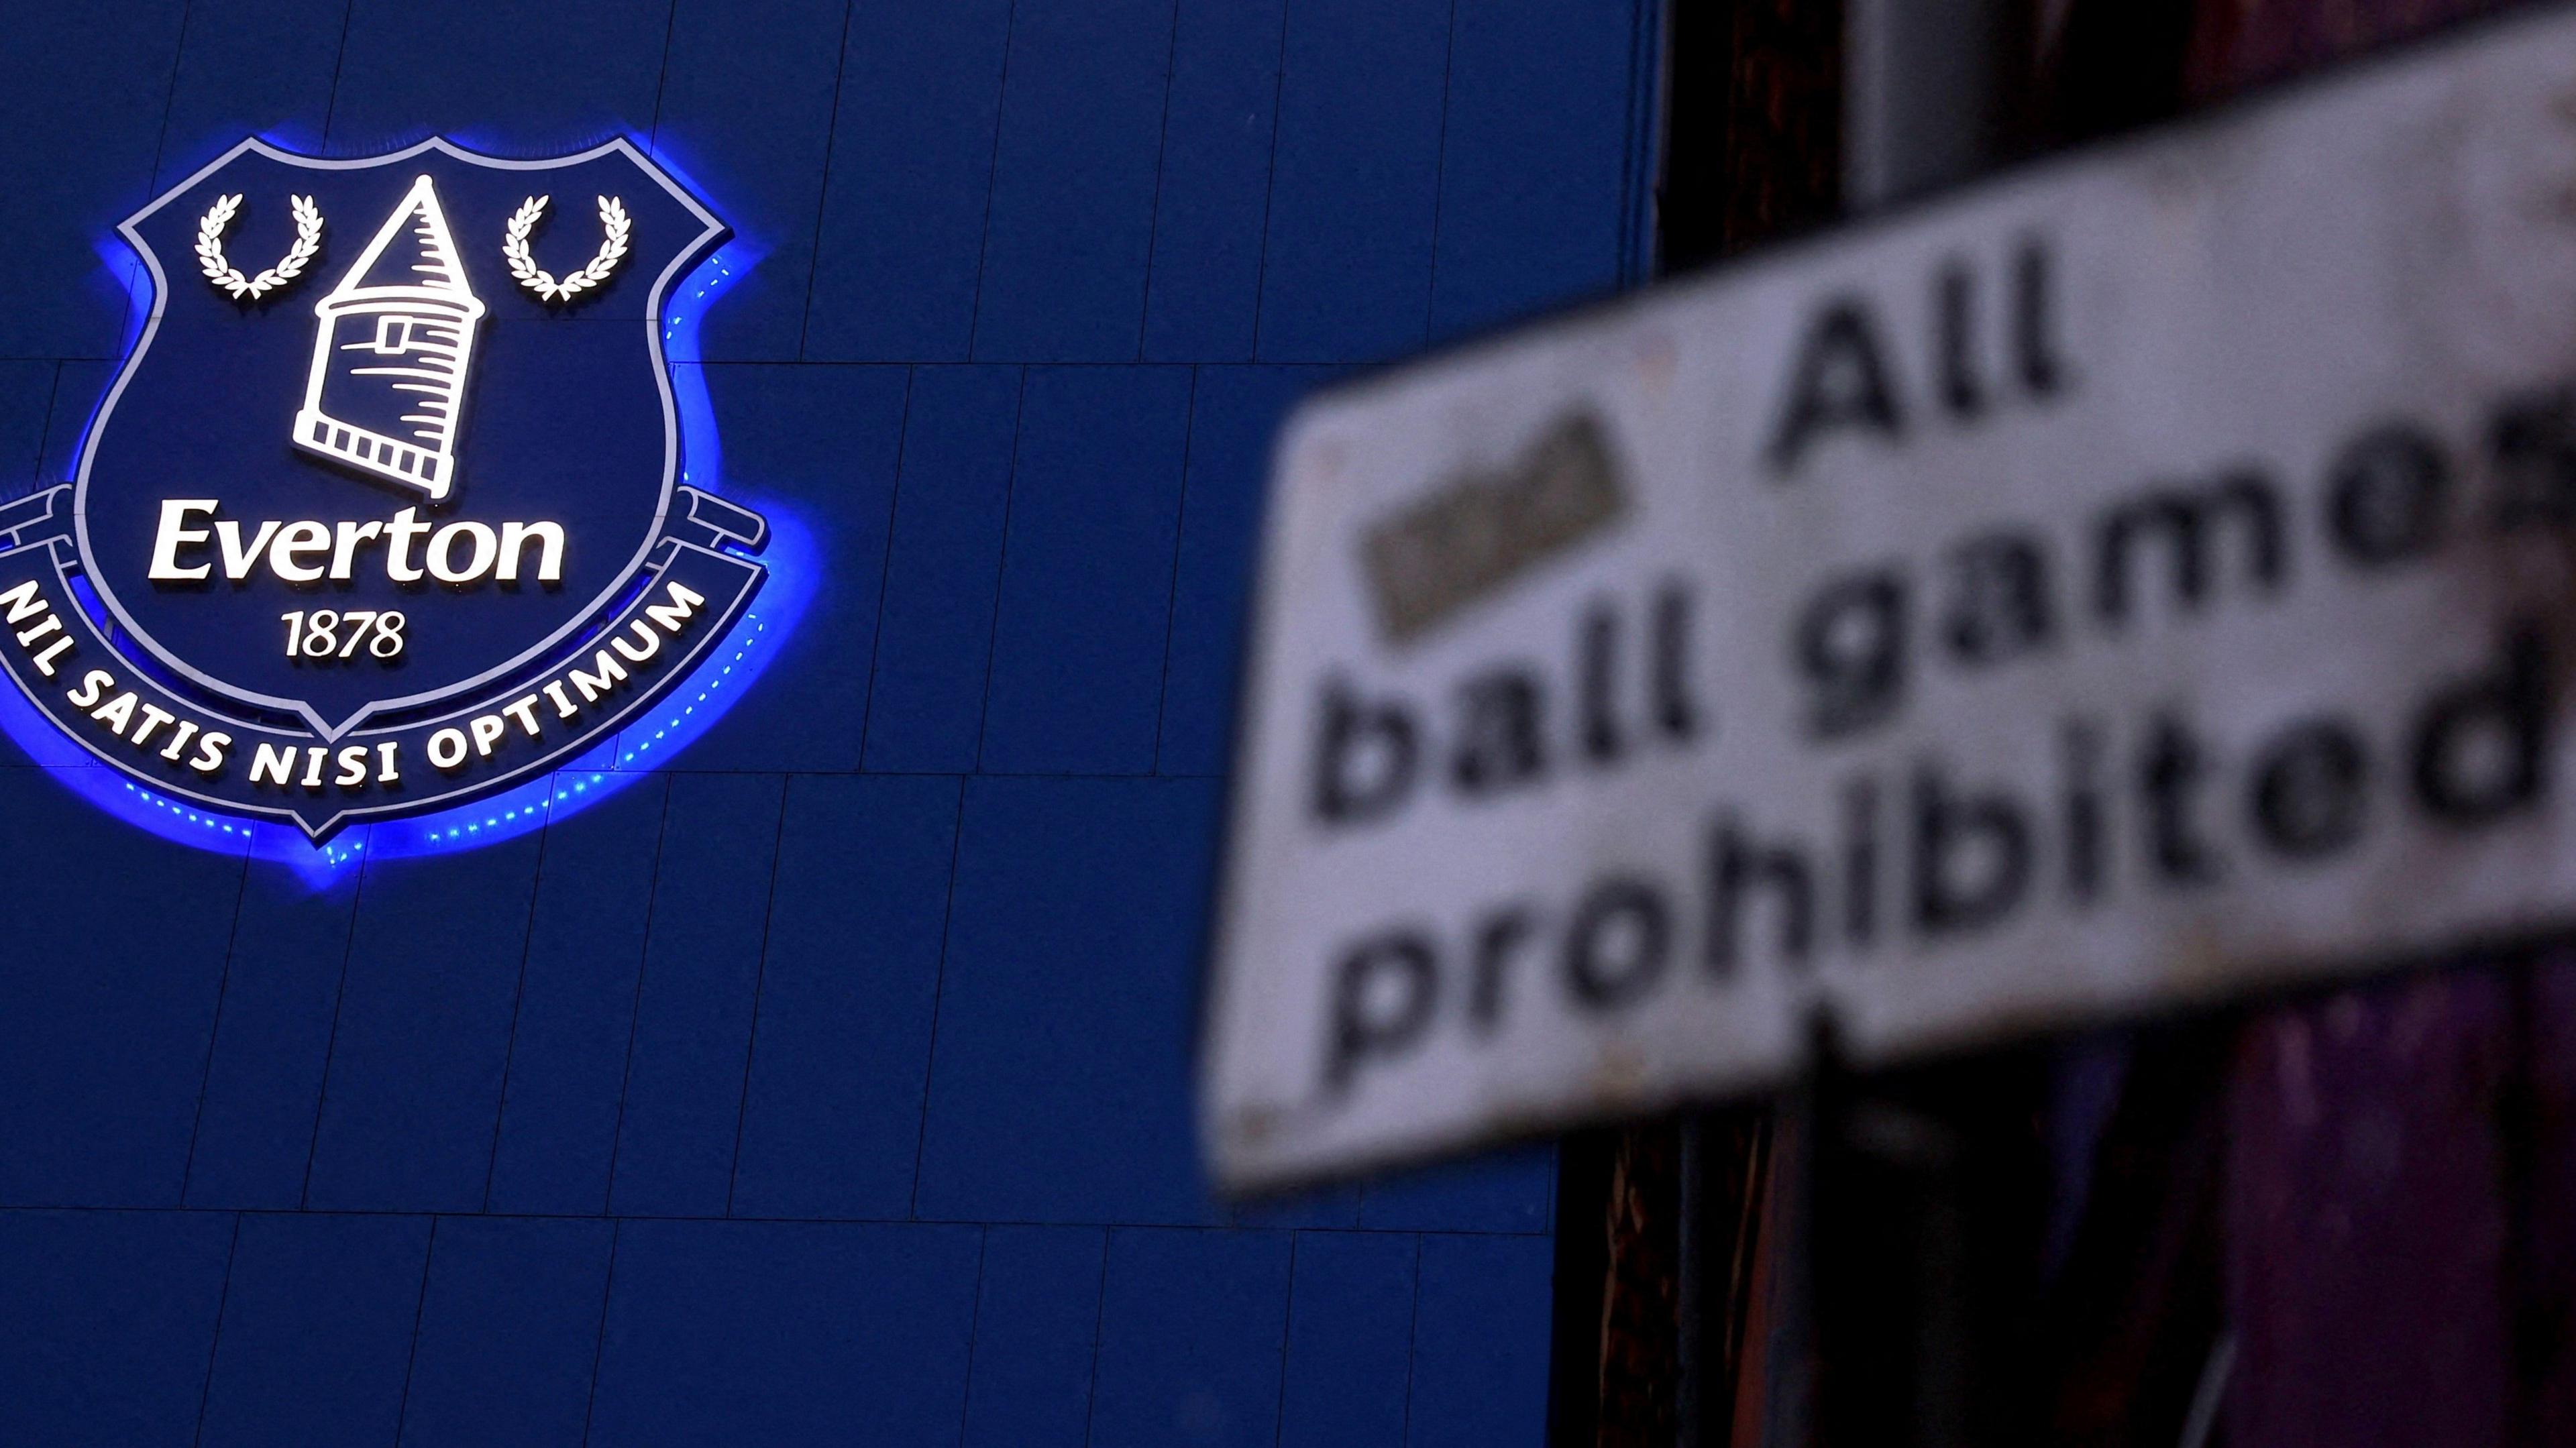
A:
[692,252]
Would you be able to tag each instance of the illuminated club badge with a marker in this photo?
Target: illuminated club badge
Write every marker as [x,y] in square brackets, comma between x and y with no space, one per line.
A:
[385,511]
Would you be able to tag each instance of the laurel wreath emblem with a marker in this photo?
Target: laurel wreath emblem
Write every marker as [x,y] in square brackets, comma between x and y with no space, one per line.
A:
[613,224]
[210,247]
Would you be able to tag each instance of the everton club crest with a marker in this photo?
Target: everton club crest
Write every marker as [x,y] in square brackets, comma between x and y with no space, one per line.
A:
[384,512]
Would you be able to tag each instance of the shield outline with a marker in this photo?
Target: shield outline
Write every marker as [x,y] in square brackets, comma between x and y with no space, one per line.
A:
[695,251]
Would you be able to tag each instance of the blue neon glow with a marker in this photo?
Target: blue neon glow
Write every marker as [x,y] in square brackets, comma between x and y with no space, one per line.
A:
[686,712]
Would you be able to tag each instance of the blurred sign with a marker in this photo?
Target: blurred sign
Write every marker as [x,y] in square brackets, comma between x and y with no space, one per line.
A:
[2147,578]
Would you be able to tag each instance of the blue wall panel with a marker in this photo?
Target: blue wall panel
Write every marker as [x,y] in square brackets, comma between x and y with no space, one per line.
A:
[413,1092]
[1214,193]
[1336,1205]
[26,396]
[1350,1339]
[786,1334]
[848,985]
[509,1328]
[901,958]
[507,77]
[1530,158]
[1233,416]
[263,1082]
[1191,1324]
[1037,1336]
[1073,182]
[107,1002]
[943,569]
[106,1321]
[74,82]
[904,205]
[1085,610]
[692,1041]
[249,68]
[569,1036]
[1355,180]
[316,1337]
[746,113]
[1480,1341]
[1059,1087]
[1508,1192]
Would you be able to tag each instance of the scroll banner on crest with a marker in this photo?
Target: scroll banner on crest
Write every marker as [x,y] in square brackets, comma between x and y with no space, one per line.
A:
[685,602]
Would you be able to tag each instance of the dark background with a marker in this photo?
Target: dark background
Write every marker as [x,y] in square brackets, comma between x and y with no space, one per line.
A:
[832,1085]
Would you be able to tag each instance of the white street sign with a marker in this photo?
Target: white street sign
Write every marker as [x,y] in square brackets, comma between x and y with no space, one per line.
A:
[2147,578]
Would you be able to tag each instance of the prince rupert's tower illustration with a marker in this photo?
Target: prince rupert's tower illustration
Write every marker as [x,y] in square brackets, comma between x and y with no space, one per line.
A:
[390,353]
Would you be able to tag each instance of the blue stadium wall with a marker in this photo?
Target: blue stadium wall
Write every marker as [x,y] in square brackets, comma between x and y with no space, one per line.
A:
[830,1085]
